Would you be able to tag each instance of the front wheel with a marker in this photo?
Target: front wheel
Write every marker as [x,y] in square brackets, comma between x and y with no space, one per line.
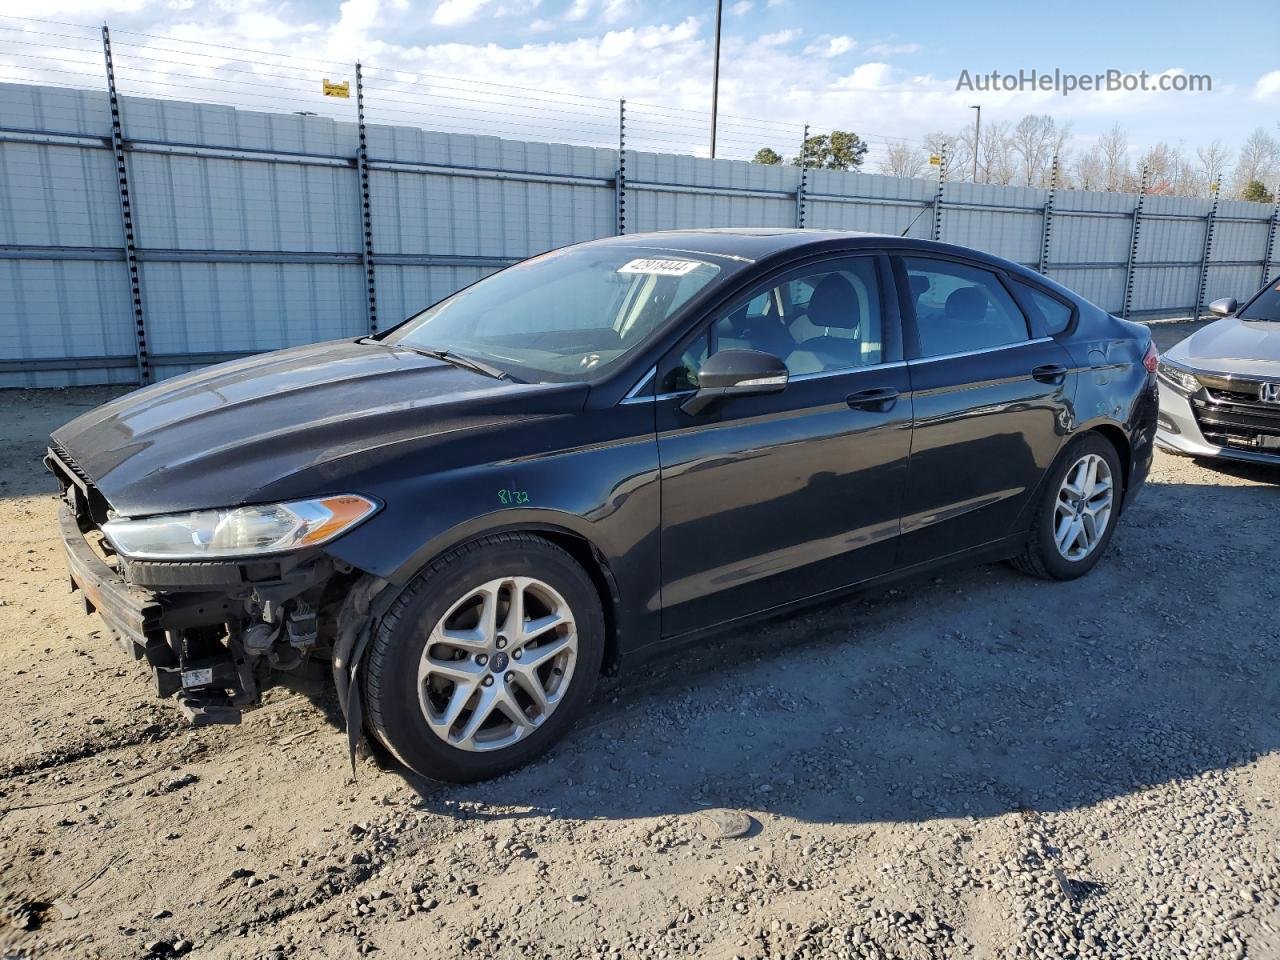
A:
[1077,512]
[485,659]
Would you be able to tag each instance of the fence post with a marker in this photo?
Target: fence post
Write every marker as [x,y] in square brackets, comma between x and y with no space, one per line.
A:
[141,351]
[1271,244]
[1046,232]
[804,179]
[937,197]
[620,180]
[1202,286]
[1133,245]
[366,205]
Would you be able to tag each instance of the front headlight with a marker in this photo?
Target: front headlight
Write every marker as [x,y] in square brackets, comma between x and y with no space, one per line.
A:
[238,531]
[1178,377]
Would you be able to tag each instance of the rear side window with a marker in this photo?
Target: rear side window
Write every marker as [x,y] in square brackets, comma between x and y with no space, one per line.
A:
[1054,315]
[960,308]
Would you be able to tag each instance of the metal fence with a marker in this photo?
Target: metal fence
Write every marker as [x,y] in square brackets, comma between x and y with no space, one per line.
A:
[141,236]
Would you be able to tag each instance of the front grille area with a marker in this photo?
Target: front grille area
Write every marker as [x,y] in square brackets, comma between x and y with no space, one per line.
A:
[80,492]
[1232,414]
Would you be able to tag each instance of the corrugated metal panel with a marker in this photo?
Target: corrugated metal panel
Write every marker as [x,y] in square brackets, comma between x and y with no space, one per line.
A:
[883,205]
[64,308]
[701,193]
[249,225]
[61,196]
[1005,221]
[1240,282]
[404,291]
[235,307]
[54,110]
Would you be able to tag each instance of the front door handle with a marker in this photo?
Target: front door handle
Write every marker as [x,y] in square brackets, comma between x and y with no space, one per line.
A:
[1049,373]
[879,399]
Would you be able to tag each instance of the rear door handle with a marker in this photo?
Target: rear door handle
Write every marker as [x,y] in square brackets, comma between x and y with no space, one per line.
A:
[1050,373]
[879,399]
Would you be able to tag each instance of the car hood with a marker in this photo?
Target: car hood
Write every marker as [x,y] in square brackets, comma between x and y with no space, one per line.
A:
[1247,347]
[289,424]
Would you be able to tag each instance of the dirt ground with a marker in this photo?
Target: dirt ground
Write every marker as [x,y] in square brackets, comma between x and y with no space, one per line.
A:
[974,765]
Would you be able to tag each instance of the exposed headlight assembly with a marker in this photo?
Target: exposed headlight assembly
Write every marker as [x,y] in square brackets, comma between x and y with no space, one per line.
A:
[1177,377]
[238,531]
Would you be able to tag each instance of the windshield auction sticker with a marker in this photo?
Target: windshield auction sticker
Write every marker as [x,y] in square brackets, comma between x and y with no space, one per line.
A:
[663,268]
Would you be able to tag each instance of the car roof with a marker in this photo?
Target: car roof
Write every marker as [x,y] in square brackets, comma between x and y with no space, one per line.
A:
[760,243]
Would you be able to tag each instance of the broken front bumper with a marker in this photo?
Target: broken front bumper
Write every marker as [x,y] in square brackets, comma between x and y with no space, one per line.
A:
[150,626]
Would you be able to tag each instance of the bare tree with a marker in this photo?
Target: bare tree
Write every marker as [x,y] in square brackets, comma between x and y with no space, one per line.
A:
[1214,161]
[1163,165]
[1034,142]
[902,160]
[1090,169]
[1114,147]
[1259,160]
[996,162]
[958,158]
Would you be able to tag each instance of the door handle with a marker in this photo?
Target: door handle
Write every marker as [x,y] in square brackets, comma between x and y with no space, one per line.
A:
[1049,373]
[879,399]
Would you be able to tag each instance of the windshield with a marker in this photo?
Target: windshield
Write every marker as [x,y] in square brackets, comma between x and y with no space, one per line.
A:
[1265,306]
[567,315]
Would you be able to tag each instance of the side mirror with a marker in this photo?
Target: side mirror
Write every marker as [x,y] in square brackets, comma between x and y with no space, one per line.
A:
[736,373]
[1224,307]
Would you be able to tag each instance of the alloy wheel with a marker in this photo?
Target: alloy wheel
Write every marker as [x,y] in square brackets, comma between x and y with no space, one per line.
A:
[1084,507]
[497,664]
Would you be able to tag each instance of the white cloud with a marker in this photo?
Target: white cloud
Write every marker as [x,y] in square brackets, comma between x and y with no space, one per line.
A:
[779,39]
[831,46]
[866,76]
[764,76]
[890,49]
[85,10]
[453,12]
[615,10]
[1268,85]
[741,8]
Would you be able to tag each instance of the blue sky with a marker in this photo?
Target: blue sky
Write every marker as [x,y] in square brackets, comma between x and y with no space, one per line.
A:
[886,70]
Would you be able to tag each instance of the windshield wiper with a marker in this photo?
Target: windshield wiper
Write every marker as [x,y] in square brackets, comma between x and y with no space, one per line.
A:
[467,363]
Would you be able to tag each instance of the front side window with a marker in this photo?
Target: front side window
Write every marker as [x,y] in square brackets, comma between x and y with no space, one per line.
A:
[1266,306]
[570,314]
[822,318]
[960,308]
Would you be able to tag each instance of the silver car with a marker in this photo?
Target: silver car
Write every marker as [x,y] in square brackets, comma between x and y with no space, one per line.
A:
[1220,388]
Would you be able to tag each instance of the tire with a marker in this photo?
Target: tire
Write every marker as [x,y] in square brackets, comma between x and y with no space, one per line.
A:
[411,696]
[1041,556]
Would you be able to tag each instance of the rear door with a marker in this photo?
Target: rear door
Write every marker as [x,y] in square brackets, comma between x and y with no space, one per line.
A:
[991,406]
[771,499]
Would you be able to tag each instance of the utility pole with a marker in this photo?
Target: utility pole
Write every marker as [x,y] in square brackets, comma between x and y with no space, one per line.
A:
[977,134]
[715,80]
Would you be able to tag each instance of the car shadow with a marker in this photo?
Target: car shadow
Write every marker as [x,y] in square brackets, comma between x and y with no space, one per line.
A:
[1242,470]
[975,692]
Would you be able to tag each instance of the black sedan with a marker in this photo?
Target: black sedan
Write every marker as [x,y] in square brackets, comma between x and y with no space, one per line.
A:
[1220,388]
[590,458]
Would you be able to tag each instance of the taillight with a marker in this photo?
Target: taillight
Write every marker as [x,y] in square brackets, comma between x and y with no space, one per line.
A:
[1151,359]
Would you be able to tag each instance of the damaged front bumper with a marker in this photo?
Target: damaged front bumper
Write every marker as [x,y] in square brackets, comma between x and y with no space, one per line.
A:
[215,633]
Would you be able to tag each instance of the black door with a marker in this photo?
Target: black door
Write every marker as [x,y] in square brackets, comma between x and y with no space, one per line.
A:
[770,499]
[990,403]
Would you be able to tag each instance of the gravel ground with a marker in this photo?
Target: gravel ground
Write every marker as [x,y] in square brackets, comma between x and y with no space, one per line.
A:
[973,765]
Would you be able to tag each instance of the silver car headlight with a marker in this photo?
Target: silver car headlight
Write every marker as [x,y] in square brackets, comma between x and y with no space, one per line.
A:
[238,531]
[1180,378]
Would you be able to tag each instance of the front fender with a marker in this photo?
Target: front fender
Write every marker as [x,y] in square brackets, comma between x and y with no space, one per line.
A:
[603,489]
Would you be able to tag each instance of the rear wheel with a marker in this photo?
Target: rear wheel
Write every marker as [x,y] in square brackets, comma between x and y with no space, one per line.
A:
[485,659]
[1077,512]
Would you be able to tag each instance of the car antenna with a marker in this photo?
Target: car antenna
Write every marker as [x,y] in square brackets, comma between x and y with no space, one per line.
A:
[927,206]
